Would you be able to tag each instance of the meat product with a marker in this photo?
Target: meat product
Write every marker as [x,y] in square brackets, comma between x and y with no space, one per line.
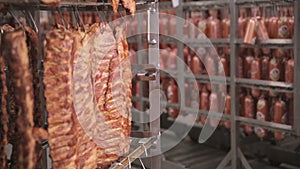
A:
[3,114]
[130,5]
[279,117]
[211,68]
[225,27]
[225,64]
[240,68]
[58,93]
[262,34]
[172,60]
[125,72]
[214,107]
[242,23]
[196,65]
[51,2]
[172,26]
[111,91]
[202,25]
[187,94]
[227,110]
[265,67]
[275,71]
[250,31]
[172,95]
[289,74]
[262,113]
[213,25]
[256,74]
[86,152]
[204,103]
[115,5]
[20,82]
[247,66]
[163,25]
[249,112]
[34,59]
[273,27]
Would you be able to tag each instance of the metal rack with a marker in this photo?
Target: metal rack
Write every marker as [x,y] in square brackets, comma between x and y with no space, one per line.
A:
[235,155]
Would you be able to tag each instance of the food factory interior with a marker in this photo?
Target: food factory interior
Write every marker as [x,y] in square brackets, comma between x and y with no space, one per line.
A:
[149,84]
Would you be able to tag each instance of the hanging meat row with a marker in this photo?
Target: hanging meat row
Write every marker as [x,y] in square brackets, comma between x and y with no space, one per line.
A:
[87,90]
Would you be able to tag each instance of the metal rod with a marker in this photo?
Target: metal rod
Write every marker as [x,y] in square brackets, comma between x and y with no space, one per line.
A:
[297,68]
[233,53]
[154,86]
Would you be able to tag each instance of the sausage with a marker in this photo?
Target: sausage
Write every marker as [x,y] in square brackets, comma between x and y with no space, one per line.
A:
[250,32]
[275,70]
[202,25]
[279,117]
[273,27]
[241,102]
[187,94]
[163,25]
[187,56]
[213,25]
[214,107]
[262,113]
[289,74]
[172,60]
[256,74]
[291,23]
[225,64]
[240,68]
[172,95]
[172,26]
[265,67]
[247,66]
[249,112]
[211,68]
[242,23]
[204,103]
[196,65]
[262,34]
[225,27]
[227,110]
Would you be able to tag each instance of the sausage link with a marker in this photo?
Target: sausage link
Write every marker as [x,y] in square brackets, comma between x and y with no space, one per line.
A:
[262,113]
[249,112]
[279,117]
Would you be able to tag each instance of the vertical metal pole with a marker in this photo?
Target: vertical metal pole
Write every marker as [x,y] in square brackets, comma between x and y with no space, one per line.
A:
[180,65]
[233,54]
[297,68]
[140,45]
[154,86]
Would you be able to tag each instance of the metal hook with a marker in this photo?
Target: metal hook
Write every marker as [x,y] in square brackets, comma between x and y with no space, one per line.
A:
[30,17]
[100,14]
[76,19]
[80,20]
[142,163]
[62,19]
[10,9]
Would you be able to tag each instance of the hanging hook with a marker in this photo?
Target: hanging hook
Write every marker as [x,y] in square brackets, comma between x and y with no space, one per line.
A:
[146,153]
[81,21]
[30,17]
[62,20]
[10,9]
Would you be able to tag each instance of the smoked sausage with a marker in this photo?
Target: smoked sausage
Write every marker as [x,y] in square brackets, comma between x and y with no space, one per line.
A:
[279,117]
[262,113]
[256,74]
[249,112]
